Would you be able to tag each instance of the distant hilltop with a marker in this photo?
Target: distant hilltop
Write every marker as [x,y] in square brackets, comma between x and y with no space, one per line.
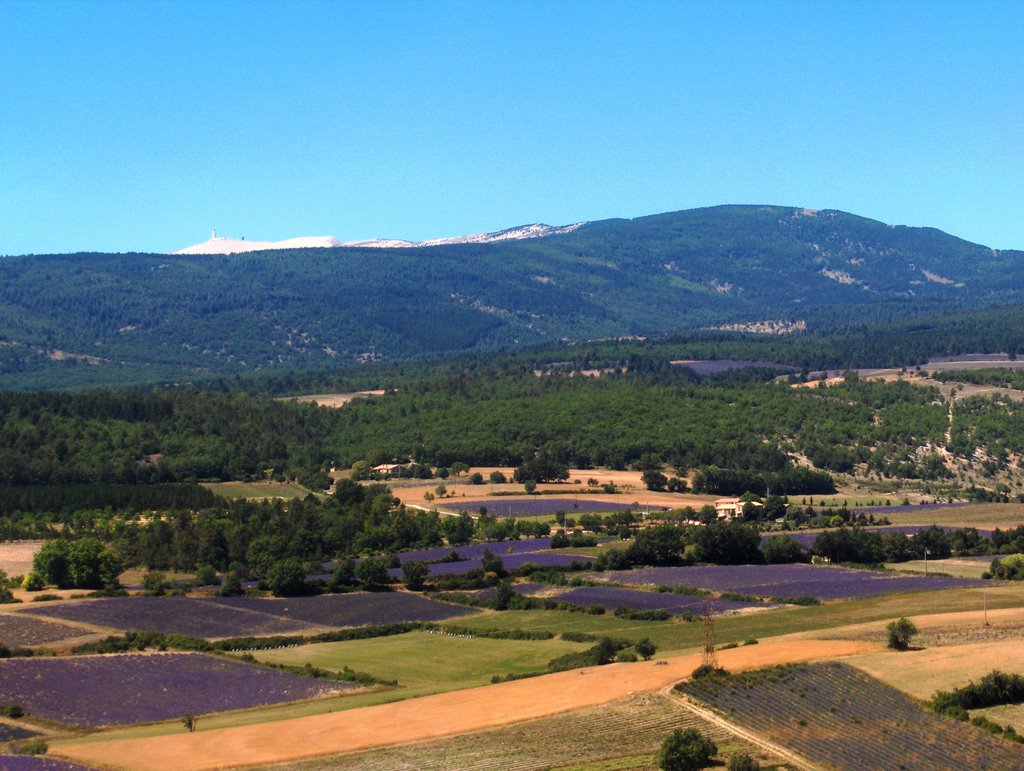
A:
[225,245]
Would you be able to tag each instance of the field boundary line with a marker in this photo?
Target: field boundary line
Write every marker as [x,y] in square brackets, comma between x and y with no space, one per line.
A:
[756,739]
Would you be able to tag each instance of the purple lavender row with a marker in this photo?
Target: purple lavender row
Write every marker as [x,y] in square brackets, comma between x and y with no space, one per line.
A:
[807,538]
[36,763]
[824,583]
[124,689]
[536,506]
[548,559]
[611,598]
[476,550]
[216,617]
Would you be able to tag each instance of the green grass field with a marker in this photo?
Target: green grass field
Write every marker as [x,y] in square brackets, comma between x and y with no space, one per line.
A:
[949,567]
[1003,515]
[257,490]
[425,662]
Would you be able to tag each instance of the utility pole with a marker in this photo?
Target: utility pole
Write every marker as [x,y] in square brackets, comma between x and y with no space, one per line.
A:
[710,659]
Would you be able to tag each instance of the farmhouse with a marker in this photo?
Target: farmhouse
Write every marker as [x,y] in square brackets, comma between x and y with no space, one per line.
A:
[390,469]
[732,508]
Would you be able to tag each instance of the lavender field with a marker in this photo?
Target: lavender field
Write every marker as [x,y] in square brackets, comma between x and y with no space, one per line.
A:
[37,763]
[838,717]
[344,610]
[806,538]
[823,583]
[611,598]
[546,559]
[19,629]
[10,733]
[476,550]
[537,505]
[173,615]
[124,689]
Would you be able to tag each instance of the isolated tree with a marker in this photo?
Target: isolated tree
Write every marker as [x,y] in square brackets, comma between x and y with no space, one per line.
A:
[414,573]
[900,632]
[503,595]
[492,563]
[645,649]
[287,578]
[476,478]
[687,750]
[189,721]
[497,478]
[654,480]
[372,571]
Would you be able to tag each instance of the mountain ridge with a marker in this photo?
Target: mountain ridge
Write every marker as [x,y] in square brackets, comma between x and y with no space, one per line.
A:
[102,318]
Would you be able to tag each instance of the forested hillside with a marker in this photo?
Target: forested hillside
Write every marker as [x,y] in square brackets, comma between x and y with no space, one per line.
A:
[88,319]
[731,423]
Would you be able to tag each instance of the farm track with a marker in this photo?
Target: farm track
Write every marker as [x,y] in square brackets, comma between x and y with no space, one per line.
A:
[431,717]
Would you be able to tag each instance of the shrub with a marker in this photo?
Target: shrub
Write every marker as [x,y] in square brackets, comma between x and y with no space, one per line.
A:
[900,632]
[743,763]
[645,649]
[687,750]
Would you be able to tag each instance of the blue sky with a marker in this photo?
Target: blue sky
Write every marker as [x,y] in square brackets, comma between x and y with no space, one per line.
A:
[138,126]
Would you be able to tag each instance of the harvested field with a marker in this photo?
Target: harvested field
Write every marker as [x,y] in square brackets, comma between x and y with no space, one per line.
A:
[16,556]
[21,630]
[430,717]
[333,400]
[632,729]
[142,688]
[923,672]
[833,714]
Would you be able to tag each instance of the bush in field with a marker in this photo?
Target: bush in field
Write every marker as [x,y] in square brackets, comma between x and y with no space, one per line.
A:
[497,478]
[900,632]
[781,549]
[687,750]
[1009,568]
[81,564]
[645,649]
[287,578]
[415,573]
[743,763]
[206,576]
[373,571]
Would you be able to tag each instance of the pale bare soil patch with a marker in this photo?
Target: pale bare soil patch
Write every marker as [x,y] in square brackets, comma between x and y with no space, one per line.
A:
[625,735]
[434,716]
[630,489]
[923,672]
[16,556]
[333,400]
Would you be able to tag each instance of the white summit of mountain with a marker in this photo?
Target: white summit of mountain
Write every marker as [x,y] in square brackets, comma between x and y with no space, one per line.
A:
[224,245]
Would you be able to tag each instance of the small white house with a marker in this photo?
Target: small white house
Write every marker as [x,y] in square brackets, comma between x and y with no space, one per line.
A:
[732,508]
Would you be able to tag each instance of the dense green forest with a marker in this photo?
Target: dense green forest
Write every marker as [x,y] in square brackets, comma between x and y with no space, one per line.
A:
[99,319]
[637,419]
